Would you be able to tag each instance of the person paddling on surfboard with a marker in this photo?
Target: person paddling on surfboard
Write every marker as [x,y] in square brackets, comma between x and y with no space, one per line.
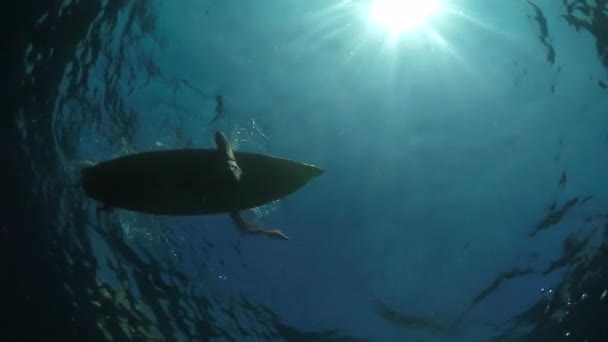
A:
[196,182]
[234,171]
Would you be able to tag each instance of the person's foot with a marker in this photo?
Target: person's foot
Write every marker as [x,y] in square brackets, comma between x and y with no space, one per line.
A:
[276,234]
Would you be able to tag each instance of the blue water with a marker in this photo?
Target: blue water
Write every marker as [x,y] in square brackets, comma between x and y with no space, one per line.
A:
[443,146]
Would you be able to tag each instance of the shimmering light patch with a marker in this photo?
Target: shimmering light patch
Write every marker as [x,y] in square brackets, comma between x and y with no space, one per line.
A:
[399,16]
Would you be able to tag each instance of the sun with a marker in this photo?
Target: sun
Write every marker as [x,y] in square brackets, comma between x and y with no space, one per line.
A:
[399,16]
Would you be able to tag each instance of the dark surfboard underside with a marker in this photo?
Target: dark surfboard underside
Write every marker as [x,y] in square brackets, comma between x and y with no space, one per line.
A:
[193,181]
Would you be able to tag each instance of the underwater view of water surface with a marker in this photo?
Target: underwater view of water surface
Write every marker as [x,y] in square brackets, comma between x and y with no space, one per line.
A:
[320,170]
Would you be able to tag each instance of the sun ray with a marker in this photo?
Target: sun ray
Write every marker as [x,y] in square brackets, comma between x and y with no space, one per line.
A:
[397,39]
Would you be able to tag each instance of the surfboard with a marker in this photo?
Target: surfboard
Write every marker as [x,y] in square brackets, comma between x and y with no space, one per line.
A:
[193,181]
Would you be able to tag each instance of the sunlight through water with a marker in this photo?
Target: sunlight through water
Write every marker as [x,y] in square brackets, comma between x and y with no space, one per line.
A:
[400,16]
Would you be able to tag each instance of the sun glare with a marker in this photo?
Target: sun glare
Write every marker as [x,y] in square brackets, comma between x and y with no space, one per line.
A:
[399,16]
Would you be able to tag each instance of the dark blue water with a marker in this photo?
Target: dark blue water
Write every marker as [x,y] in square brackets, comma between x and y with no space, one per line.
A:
[464,197]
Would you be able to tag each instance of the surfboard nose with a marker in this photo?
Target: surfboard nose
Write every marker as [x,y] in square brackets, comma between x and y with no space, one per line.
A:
[295,175]
[312,172]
